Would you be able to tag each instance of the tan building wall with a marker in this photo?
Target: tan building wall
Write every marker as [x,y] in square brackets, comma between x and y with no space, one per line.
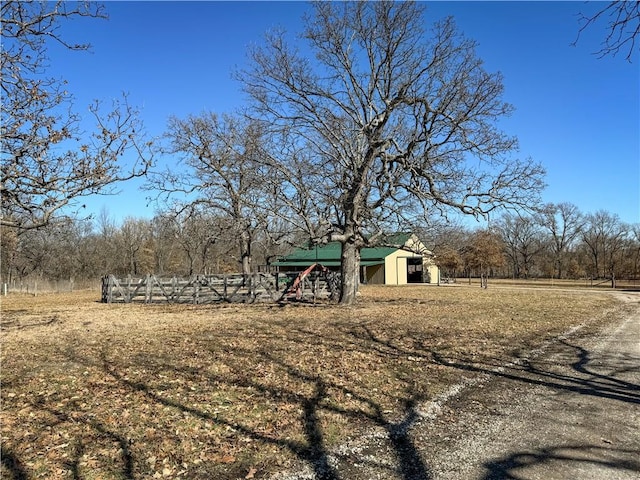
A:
[395,267]
[395,264]
[433,272]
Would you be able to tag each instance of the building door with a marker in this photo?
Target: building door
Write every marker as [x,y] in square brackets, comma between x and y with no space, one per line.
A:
[414,270]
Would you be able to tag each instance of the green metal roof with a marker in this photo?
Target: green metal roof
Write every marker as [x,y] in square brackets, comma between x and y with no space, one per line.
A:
[396,239]
[329,255]
[326,263]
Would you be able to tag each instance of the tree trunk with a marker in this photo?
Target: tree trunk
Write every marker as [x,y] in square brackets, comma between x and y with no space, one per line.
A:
[191,261]
[246,265]
[245,253]
[559,267]
[350,263]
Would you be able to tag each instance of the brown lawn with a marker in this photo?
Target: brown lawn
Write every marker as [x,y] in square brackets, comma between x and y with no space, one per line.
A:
[98,391]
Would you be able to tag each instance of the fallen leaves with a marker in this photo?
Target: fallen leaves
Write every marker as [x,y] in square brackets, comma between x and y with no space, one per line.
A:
[251,474]
[167,391]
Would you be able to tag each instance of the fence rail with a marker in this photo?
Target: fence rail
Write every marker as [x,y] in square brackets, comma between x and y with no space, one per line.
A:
[203,289]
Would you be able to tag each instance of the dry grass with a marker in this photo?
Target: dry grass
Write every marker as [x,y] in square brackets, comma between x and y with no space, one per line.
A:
[163,391]
[585,283]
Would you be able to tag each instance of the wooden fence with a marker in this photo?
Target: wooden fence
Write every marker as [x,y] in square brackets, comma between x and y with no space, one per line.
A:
[203,289]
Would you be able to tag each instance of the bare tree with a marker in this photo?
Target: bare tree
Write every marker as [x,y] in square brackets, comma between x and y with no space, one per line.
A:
[47,163]
[63,251]
[134,234]
[9,245]
[385,121]
[635,249]
[223,175]
[605,237]
[106,232]
[163,236]
[196,232]
[623,27]
[447,241]
[563,222]
[32,253]
[523,241]
[276,241]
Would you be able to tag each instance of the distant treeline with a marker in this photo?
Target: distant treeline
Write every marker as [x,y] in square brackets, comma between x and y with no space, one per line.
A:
[558,241]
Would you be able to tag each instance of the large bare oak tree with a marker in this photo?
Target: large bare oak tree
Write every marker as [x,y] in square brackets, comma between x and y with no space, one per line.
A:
[383,120]
[219,174]
[47,162]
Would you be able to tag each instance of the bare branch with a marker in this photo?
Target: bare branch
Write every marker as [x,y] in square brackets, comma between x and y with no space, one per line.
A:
[47,163]
[223,175]
[390,120]
[622,28]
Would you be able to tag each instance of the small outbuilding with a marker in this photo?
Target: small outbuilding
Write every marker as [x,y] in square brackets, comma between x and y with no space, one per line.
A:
[403,259]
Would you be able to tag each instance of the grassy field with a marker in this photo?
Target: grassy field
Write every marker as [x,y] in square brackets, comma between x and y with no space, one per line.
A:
[99,391]
[599,284]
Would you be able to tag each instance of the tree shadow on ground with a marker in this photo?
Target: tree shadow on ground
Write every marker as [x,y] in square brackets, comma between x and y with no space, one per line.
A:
[572,369]
[312,393]
[312,403]
[515,465]
[13,465]
[584,379]
[59,416]
[14,323]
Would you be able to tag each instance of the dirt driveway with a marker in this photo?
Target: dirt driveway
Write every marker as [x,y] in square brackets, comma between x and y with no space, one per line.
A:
[570,410]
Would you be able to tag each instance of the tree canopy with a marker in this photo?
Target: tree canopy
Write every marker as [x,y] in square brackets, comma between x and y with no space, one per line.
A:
[47,162]
[382,122]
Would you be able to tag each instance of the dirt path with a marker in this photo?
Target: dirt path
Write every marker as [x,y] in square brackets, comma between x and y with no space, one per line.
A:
[573,412]
[569,411]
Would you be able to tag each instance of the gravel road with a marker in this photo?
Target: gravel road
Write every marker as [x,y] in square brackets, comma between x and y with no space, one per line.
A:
[569,411]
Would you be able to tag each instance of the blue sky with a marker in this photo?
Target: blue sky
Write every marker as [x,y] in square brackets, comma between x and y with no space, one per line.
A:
[576,114]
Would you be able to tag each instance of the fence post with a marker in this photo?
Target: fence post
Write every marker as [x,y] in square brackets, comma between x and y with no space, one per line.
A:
[147,290]
[253,280]
[174,284]
[128,297]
